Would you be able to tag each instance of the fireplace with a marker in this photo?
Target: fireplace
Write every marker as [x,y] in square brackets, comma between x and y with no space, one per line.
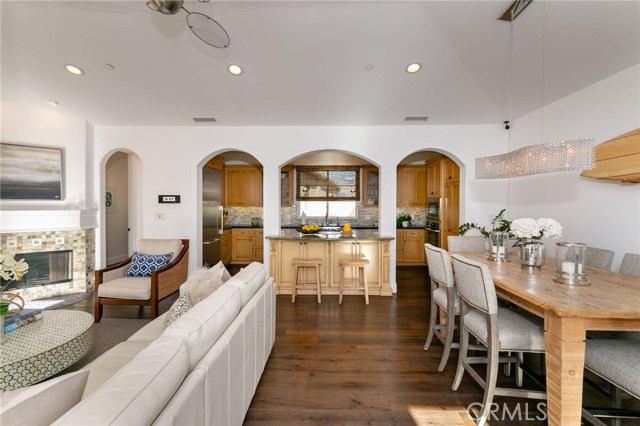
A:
[45,267]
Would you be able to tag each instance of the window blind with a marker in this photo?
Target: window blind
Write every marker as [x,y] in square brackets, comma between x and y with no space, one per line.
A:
[328,183]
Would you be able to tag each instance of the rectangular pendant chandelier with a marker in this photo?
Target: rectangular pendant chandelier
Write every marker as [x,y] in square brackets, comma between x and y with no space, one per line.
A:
[564,156]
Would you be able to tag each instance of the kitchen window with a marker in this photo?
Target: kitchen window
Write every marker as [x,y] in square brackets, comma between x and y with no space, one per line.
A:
[327,183]
[335,209]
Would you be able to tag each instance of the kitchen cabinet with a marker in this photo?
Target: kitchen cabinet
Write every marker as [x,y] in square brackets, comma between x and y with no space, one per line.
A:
[370,186]
[225,247]
[355,250]
[618,159]
[410,247]
[286,186]
[246,245]
[451,212]
[412,186]
[450,172]
[434,178]
[289,250]
[242,186]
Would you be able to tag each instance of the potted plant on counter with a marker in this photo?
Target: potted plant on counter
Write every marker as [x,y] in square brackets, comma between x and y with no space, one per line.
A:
[403,220]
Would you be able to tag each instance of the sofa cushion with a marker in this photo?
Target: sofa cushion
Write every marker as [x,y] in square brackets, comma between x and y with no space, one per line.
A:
[206,321]
[180,307]
[153,246]
[139,391]
[202,282]
[151,331]
[142,265]
[138,288]
[109,363]
[248,280]
[43,403]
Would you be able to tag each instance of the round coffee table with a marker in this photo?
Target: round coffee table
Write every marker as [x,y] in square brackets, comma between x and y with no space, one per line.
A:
[41,349]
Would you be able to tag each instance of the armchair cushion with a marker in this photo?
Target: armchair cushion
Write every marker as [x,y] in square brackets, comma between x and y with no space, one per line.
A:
[156,247]
[142,265]
[138,288]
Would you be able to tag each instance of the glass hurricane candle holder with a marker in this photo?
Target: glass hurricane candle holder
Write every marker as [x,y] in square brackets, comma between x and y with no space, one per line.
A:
[570,266]
[498,243]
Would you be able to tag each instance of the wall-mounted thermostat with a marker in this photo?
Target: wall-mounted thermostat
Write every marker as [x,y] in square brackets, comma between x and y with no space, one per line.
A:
[169,199]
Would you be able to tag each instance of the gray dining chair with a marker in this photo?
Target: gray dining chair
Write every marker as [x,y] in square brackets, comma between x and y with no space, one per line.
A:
[630,265]
[499,329]
[616,361]
[461,244]
[443,296]
[599,258]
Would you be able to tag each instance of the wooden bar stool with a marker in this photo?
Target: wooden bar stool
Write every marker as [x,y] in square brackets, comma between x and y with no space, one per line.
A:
[354,263]
[305,263]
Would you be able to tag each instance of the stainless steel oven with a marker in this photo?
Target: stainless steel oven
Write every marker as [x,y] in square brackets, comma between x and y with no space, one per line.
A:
[434,209]
[433,233]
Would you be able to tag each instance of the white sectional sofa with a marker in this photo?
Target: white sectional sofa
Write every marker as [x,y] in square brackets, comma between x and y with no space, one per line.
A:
[201,370]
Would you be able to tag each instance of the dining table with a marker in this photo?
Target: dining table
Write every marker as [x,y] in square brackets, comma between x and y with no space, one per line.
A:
[610,302]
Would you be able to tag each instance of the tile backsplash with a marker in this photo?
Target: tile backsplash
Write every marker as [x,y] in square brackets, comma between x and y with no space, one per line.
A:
[241,216]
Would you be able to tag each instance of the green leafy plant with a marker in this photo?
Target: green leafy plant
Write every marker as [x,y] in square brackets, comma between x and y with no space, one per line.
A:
[498,224]
[402,218]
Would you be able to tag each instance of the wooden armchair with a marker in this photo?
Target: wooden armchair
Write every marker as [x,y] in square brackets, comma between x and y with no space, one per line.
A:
[113,287]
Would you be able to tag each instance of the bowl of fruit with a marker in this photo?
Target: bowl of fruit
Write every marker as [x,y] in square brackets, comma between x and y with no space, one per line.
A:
[310,229]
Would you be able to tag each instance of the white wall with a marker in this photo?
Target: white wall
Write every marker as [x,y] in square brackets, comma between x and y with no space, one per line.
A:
[172,158]
[596,212]
[47,126]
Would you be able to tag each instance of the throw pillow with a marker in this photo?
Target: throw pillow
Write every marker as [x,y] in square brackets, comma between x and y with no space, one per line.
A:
[142,265]
[43,403]
[178,309]
[202,283]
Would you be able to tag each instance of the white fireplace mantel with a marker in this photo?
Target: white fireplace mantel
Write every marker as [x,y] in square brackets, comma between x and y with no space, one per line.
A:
[12,221]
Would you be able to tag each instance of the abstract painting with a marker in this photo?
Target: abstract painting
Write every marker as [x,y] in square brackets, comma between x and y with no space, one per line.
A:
[30,172]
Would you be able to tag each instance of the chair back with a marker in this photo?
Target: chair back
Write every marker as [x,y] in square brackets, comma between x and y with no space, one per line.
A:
[630,265]
[157,247]
[599,258]
[470,244]
[475,284]
[439,262]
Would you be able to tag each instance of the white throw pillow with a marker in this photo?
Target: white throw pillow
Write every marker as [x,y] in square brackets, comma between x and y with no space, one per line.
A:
[202,282]
[178,309]
[43,403]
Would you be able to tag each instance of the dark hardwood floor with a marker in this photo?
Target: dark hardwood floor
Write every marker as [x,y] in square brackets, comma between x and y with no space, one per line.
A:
[354,364]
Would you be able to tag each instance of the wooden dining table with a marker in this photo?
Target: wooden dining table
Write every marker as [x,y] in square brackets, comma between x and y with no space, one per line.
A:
[610,302]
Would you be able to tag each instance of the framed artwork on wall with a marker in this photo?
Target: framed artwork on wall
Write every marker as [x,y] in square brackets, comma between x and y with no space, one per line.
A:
[110,200]
[31,172]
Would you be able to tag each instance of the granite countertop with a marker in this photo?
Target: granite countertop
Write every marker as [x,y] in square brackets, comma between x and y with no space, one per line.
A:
[242,226]
[357,234]
[352,227]
[411,227]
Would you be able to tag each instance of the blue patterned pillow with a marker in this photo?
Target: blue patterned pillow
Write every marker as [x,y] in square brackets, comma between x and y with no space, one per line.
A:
[142,265]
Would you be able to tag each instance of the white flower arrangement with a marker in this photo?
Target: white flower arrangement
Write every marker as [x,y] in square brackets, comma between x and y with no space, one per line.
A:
[536,229]
[11,270]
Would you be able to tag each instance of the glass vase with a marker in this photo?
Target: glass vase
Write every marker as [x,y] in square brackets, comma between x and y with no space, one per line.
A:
[532,252]
[498,244]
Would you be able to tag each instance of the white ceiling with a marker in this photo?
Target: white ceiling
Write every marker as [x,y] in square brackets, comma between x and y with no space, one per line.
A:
[304,61]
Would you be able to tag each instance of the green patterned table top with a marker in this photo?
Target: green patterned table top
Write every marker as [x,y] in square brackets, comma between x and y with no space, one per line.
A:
[39,350]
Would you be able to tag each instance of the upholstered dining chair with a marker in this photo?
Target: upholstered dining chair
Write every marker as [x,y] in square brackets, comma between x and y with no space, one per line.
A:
[443,296]
[616,361]
[155,270]
[499,329]
[630,265]
[599,258]
[459,243]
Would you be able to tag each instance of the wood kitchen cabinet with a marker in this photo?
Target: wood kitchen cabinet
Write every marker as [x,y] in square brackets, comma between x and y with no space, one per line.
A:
[355,250]
[450,171]
[246,245]
[410,247]
[286,186]
[289,250]
[451,212]
[412,186]
[242,186]
[225,247]
[370,186]
[434,178]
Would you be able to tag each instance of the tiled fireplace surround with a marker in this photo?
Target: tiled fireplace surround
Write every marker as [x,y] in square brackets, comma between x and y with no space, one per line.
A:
[80,241]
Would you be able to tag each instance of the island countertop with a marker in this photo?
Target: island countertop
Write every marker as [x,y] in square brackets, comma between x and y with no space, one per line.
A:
[356,234]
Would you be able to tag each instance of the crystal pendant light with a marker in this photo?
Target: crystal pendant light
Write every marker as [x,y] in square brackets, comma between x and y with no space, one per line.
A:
[562,156]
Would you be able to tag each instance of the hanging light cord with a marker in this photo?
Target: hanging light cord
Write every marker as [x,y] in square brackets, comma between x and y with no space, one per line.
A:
[542,78]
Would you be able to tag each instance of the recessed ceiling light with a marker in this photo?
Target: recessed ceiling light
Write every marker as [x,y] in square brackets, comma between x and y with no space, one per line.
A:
[413,68]
[234,69]
[54,103]
[73,69]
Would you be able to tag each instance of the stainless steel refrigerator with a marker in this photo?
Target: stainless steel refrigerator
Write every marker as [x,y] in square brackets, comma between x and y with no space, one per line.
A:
[212,212]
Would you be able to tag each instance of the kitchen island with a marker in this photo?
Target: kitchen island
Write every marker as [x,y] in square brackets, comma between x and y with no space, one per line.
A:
[330,248]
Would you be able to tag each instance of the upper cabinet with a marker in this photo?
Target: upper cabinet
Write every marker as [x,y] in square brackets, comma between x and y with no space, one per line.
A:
[286,186]
[434,178]
[618,159]
[242,186]
[412,186]
[450,171]
[370,186]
